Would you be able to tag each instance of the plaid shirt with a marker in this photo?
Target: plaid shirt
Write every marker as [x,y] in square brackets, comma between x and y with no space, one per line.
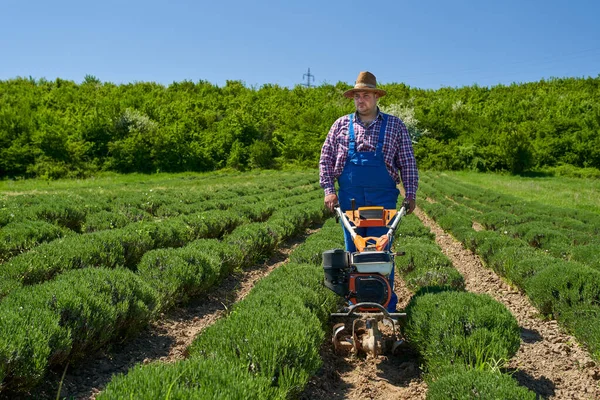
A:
[397,151]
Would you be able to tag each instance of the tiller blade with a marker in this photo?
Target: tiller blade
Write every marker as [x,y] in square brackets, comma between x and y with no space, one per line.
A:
[372,333]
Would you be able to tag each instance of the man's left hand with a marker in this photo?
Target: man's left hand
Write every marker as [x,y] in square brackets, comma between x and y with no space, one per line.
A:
[411,205]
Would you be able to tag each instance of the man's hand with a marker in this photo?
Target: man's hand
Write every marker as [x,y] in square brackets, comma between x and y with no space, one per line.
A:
[331,200]
[411,205]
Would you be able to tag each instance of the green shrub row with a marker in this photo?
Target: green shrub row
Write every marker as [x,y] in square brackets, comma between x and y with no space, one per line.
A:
[485,200]
[565,226]
[476,384]
[65,211]
[266,348]
[170,275]
[126,246]
[64,319]
[557,287]
[311,250]
[106,220]
[556,284]
[178,274]
[19,237]
[423,264]
[463,338]
[256,208]
[111,249]
[460,328]
[73,209]
[232,200]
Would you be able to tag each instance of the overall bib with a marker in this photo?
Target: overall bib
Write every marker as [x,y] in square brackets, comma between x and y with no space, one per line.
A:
[366,179]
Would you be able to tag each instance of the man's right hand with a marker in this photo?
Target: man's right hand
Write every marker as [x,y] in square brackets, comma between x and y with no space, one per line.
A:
[331,200]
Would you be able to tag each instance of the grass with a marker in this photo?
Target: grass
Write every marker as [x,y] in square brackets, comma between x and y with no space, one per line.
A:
[110,180]
[567,192]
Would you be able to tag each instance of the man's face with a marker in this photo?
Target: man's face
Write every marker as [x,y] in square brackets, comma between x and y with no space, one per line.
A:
[365,102]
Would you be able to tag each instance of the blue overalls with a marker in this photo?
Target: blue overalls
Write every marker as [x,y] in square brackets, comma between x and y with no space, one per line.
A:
[366,179]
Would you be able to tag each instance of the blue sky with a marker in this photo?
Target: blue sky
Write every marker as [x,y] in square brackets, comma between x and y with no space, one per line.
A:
[423,43]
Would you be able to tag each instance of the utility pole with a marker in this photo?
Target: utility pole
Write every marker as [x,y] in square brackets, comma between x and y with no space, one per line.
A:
[308,77]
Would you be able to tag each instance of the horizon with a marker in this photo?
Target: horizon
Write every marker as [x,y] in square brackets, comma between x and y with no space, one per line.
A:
[253,87]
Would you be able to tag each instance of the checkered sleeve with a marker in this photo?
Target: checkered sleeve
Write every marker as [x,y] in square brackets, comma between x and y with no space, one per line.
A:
[407,164]
[327,160]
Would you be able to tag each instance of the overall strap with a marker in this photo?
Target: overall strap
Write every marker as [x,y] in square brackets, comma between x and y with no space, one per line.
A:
[381,134]
[351,138]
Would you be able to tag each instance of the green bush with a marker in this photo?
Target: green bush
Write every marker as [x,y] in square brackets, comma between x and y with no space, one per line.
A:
[442,277]
[172,232]
[499,220]
[562,286]
[424,264]
[195,378]
[61,320]
[520,263]
[73,252]
[254,240]
[545,237]
[103,220]
[474,384]
[538,234]
[18,237]
[214,223]
[461,328]
[60,211]
[488,243]
[255,212]
[587,254]
[178,274]
[311,252]
[411,226]
[584,321]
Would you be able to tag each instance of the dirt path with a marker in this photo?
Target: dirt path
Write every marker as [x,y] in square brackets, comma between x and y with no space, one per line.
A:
[549,361]
[395,377]
[165,340]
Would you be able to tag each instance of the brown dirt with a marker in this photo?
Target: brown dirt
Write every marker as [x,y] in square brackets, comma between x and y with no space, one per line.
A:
[549,361]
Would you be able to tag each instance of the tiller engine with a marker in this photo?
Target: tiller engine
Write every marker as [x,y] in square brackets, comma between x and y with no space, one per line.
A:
[361,278]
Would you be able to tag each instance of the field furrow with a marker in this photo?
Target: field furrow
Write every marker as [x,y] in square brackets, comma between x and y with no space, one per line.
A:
[549,361]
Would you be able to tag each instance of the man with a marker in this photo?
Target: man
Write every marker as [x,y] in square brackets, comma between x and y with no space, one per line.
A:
[368,152]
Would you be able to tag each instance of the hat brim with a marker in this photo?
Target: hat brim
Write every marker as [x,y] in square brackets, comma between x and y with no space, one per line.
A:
[350,93]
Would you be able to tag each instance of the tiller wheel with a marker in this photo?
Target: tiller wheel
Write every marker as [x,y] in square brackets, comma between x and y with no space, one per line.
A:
[371,333]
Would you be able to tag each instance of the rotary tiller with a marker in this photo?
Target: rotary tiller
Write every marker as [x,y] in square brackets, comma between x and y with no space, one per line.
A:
[361,278]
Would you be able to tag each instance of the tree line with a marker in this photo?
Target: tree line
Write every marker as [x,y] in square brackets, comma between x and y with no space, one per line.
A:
[59,128]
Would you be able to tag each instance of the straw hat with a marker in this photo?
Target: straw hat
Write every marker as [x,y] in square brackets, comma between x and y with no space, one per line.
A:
[366,81]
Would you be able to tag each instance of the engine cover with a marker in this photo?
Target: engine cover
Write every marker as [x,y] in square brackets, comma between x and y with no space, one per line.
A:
[372,288]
